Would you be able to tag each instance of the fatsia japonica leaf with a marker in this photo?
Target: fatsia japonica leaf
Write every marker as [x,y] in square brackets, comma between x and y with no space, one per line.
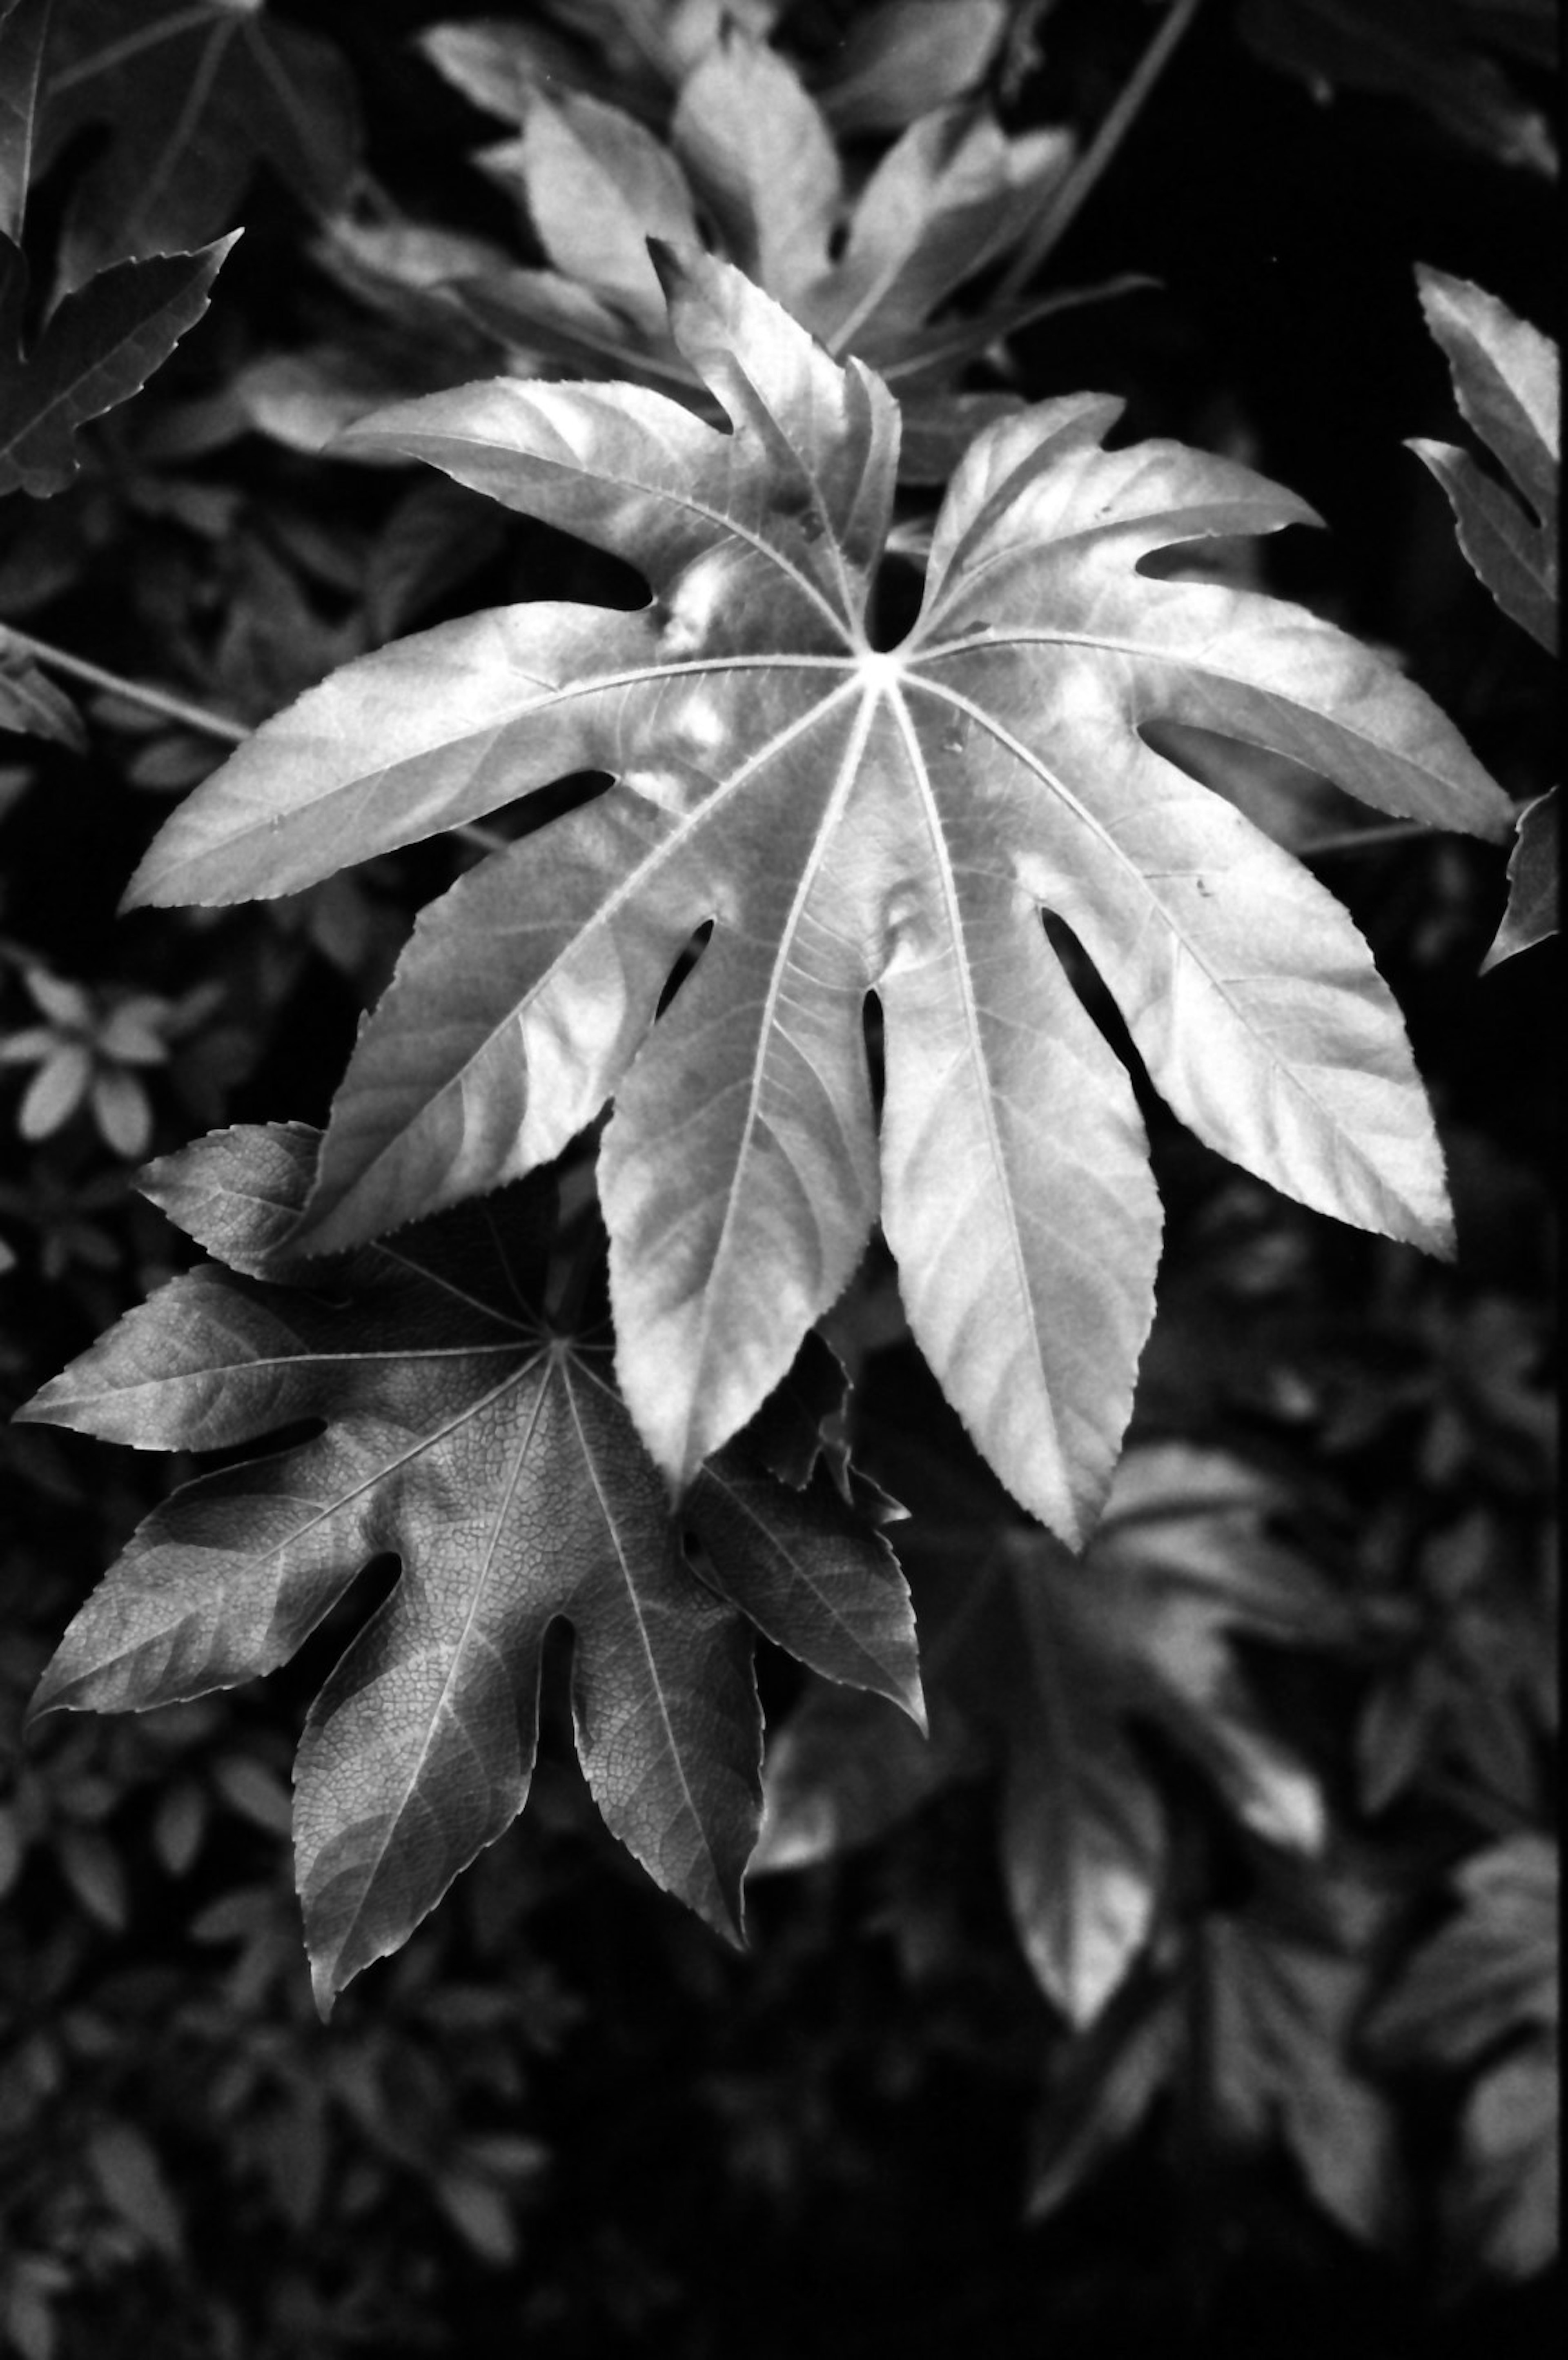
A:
[98,346]
[493,1457]
[1041,1665]
[194,94]
[852,819]
[1506,382]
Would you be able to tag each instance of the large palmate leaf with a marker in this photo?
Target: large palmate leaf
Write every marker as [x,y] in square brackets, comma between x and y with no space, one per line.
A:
[1041,1664]
[493,1457]
[97,347]
[194,94]
[852,819]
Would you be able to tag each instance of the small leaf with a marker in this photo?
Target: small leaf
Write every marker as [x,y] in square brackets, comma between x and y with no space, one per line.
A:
[905,58]
[98,347]
[1506,382]
[1506,2192]
[122,1112]
[598,185]
[180,1827]
[479,2212]
[1531,913]
[91,1867]
[23,26]
[1492,1973]
[132,2182]
[55,1091]
[32,706]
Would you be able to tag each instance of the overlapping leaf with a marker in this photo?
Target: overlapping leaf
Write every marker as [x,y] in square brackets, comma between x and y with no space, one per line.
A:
[97,347]
[494,1459]
[751,156]
[23,25]
[1249,2018]
[888,65]
[1534,866]
[195,93]
[1506,382]
[1486,1992]
[852,819]
[32,706]
[1040,1662]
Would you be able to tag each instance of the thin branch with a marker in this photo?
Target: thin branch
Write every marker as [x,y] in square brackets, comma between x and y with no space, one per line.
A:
[175,709]
[1055,220]
[130,692]
[1357,840]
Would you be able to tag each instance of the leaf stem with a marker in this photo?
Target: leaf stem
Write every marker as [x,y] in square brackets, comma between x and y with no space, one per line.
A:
[1057,218]
[1353,839]
[174,709]
[131,692]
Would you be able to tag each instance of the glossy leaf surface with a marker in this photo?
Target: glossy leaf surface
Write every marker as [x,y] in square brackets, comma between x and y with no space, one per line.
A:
[850,820]
[494,1460]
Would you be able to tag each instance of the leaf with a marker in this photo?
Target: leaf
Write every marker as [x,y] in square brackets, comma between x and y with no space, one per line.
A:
[1531,913]
[32,706]
[494,1460]
[851,820]
[1507,2193]
[1506,382]
[23,26]
[132,2182]
[195,95]
[97,348]
[906,58]
[1491,1974]
[1280,2003]
[753,153]
[1484,1992]
[1428,51]
[1042,1663]
[598,185]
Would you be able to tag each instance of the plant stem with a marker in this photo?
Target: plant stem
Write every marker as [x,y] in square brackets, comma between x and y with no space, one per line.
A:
[131,692]
[1056,219]
[1355,839]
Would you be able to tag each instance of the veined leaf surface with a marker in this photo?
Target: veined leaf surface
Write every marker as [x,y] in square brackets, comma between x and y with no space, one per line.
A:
[852,819]
[495,1459]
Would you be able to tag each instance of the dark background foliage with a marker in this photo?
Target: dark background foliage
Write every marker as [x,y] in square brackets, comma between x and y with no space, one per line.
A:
[564,2119]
